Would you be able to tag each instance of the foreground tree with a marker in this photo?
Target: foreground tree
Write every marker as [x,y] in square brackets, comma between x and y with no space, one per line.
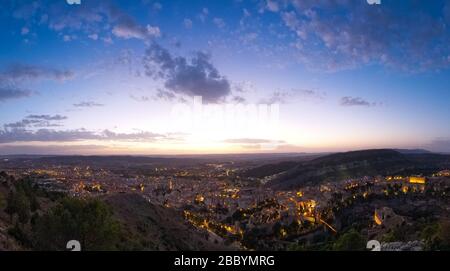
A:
[88,221]
[18,203]
[437,236]
[350,241]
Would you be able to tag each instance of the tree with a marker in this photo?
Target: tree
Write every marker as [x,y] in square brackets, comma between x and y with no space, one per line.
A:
[88,221]
[18,203]
[23,207]
[444,235]
[437,236]
[10,205]
[350,241]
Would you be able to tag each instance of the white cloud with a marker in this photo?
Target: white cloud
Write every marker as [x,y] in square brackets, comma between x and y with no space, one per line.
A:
[153,31]
[24,30]
[272,6]
[67,38]
[93,36]
[219,22]
[187,23]
[203,15]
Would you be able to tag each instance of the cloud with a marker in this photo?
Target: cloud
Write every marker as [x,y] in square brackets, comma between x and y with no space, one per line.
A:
[272,5]
[277,97]
[355,101]
[24,30]
[157,6]
[203,14]
[165,95]
[335,35]
[49,135]
[15,75]
[310,94]
[51,149]
[219,22]
[8,93]
[187,23]
[36,121]
[153,31]
[238,99]
[287,96]
[139,136]
[47,117]
[22,72]
[126,27]
[89,17]
[88,104]
[44,135]
[255,143]
[93,36]
[129,31]
[249,37]
[250,141]
[140,98]
[197,77]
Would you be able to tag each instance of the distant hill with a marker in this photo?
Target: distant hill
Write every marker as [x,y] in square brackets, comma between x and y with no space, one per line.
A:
[412,151]
[270,169]
[341,166]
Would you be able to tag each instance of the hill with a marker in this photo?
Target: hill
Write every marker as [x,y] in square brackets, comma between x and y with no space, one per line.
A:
[341,166]
[6,241]
[154,227]
[141,225]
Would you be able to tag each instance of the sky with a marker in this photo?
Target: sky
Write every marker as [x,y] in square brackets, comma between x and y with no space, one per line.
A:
[233,76]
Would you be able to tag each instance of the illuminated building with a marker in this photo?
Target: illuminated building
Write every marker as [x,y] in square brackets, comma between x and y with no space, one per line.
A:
[199,199]
[444,173]
[417,180]
[385,216]
[405,189]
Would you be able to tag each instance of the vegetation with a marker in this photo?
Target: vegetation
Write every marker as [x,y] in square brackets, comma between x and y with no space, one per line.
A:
[437,236]
[22,202]
[88,221]
[350,241]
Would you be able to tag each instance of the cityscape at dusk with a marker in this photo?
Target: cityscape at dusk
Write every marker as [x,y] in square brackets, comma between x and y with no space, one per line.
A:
[234,125]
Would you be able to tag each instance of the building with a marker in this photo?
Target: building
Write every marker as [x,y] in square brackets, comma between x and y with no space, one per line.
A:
[386,217]
[417,180]
[444,173]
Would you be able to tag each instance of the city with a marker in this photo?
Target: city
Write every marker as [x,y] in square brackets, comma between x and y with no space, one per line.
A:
[238,211]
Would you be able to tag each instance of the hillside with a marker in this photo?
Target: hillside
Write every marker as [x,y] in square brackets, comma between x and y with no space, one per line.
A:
[155,227]
[6,241]
[141,224]
[340,166]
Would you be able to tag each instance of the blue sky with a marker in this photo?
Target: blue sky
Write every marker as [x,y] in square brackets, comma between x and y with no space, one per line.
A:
[104,77]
